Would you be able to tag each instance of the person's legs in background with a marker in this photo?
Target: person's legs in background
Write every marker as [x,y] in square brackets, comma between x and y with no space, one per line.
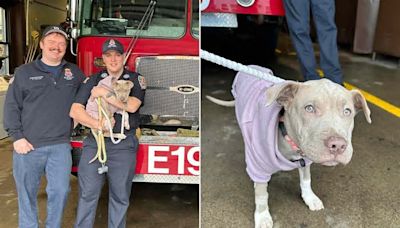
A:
[323,12]
[298,19]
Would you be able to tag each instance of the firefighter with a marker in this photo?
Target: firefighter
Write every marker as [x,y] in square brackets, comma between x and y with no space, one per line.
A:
[36,117]
[121,157]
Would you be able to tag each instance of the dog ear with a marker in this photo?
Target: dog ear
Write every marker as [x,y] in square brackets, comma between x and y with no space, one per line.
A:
[360,104]
[282,93]
[130,84]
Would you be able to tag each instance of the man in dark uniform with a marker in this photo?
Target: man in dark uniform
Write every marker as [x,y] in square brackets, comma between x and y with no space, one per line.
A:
[121,157]
[36,117]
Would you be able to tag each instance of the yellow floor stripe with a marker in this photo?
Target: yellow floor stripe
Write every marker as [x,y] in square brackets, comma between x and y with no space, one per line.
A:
[376,101]
[372,99]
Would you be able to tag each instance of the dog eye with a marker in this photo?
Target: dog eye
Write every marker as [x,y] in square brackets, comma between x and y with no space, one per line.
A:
[347,111]
[309,108]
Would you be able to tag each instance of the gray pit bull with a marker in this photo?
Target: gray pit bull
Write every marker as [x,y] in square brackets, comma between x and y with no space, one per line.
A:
[291,125]
[121,89]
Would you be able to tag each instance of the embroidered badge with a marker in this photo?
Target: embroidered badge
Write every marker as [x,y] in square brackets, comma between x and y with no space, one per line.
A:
[126,76]
[142,82]
[36,78]
[111,44]
[103,75]
[68,74]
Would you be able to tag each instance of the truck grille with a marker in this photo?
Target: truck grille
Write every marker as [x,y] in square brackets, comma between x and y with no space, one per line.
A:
[163,72]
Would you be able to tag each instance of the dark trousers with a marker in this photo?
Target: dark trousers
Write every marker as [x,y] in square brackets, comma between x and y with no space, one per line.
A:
[298,19]
[121,160]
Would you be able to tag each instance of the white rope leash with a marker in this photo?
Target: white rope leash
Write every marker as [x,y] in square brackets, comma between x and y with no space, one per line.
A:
[239,67]
[108,121]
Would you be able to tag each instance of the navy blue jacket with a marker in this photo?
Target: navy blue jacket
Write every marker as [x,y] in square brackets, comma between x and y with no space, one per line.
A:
[38,102]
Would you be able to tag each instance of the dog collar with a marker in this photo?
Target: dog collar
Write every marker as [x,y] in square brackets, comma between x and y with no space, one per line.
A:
[290,141]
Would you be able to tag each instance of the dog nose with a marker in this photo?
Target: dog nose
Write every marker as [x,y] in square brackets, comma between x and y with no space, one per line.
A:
[336,145]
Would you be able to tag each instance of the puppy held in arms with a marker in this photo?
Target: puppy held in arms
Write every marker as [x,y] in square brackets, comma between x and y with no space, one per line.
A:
[290,125]
[121,89]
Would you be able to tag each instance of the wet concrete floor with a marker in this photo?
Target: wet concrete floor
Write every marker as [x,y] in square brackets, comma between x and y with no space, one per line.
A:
[364,193]
[151,205]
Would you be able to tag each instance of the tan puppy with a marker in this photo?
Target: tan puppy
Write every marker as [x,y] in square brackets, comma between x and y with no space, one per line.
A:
[121,89]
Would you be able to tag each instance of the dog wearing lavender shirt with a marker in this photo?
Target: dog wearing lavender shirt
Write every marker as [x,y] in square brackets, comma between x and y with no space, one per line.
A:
[121,89]
[291,125]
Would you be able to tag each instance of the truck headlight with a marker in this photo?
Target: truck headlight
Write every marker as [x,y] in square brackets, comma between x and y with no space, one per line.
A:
[245,3]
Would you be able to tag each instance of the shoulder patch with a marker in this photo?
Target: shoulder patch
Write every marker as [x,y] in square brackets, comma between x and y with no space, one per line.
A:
[125,76]
[86,79]
[103,75]
[142,82]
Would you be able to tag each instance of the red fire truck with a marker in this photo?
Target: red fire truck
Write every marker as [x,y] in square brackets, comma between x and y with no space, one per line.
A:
[230,27]
[162,41]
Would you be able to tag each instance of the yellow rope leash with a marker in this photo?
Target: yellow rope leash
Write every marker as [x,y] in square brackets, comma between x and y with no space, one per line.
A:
[101,154]
[101,146]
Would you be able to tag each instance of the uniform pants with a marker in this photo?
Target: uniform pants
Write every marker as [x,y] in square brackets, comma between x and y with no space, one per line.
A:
[54,161]
[298,19]
[121,161]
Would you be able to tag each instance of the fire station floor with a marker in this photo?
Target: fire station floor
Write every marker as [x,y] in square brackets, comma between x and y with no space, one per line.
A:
[364,193]
[151,205]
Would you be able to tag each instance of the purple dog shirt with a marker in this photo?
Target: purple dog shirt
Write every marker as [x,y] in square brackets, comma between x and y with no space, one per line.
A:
[91,106]
[259,126]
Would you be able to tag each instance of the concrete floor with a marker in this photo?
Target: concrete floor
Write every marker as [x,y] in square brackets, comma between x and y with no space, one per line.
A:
[152,205]
[365,193]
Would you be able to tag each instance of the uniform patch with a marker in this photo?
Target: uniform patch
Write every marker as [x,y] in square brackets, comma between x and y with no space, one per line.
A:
[126,76]
[68,74]
[36,78]
[142,82]
[103,75]
[86,79]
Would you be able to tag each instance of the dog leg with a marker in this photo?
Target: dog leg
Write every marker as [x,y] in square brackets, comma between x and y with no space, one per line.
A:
[125,116]
[126,122]
[309,197]
[262,217]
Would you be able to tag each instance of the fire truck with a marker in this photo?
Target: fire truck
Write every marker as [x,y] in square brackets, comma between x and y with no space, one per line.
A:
[230,27]
[161,39]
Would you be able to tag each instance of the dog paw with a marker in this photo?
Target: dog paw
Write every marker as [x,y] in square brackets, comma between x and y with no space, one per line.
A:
[312,201]
[263,220]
